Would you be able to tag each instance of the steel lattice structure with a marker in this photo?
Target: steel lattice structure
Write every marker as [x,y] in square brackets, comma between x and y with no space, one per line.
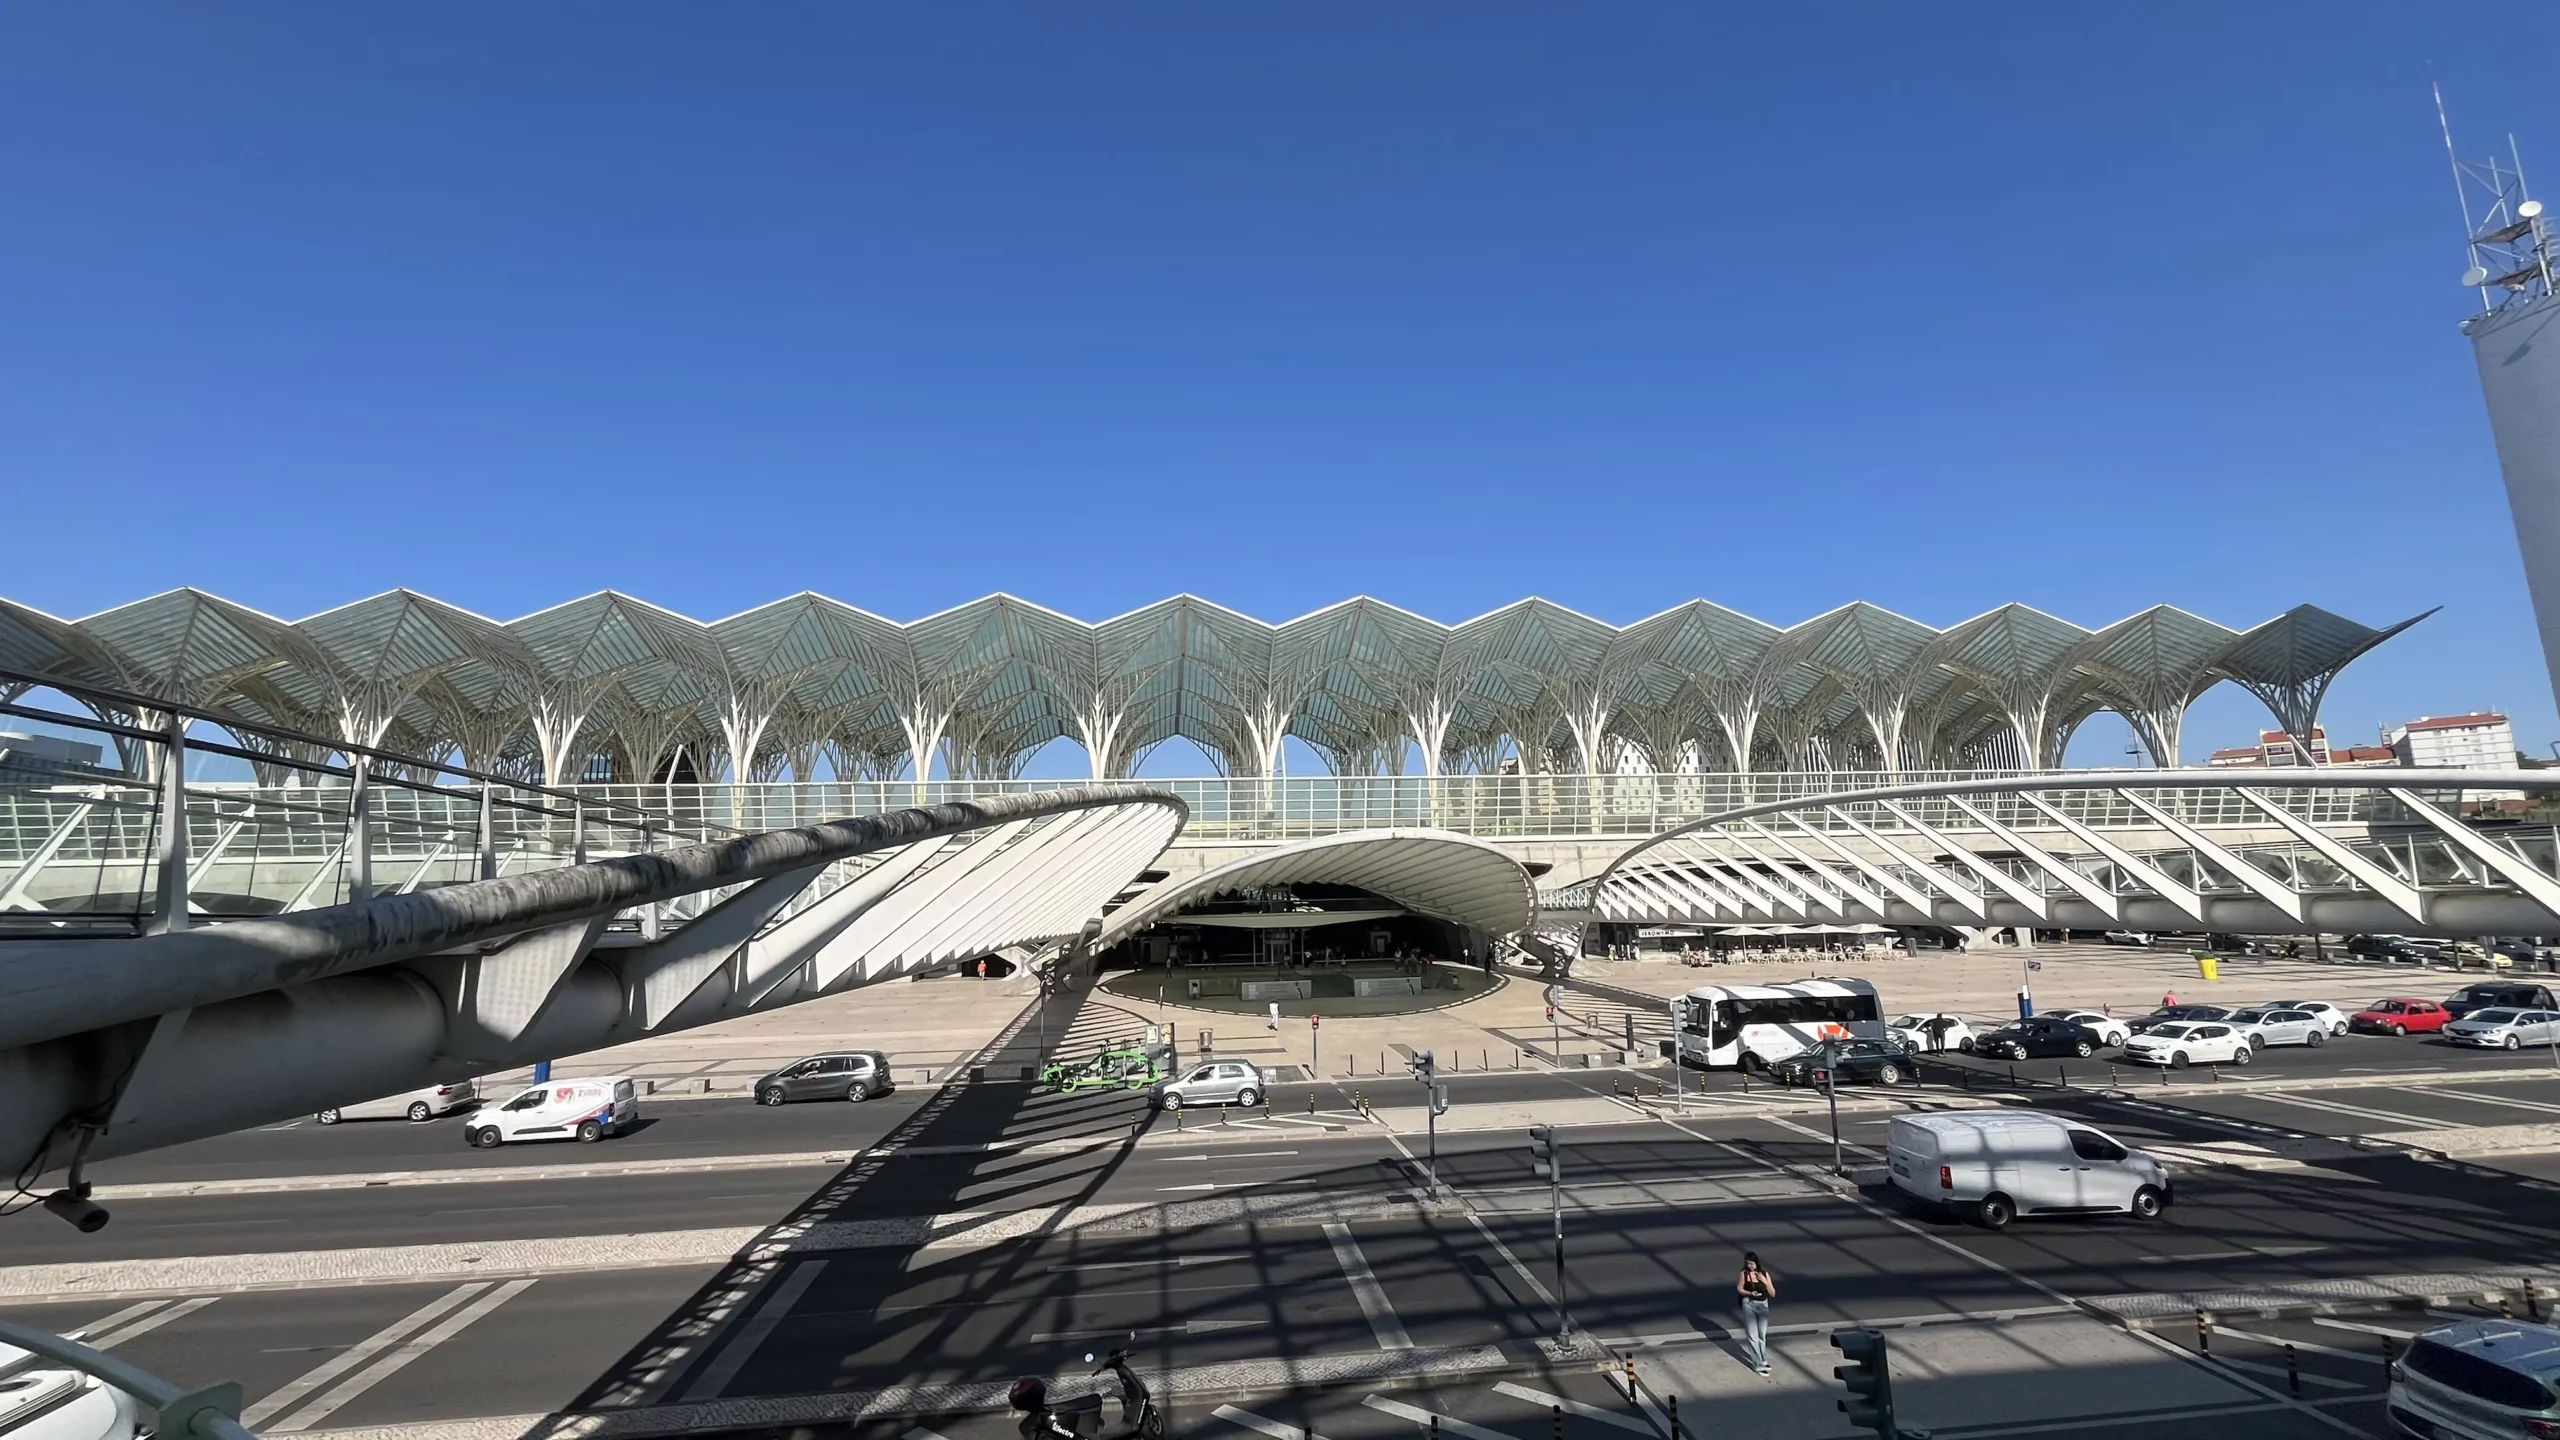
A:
[612,687]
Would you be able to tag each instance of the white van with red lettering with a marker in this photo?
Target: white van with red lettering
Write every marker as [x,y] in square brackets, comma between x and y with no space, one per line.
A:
[557,1110]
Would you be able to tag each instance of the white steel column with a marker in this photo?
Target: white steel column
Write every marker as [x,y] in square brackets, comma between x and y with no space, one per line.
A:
[172,912]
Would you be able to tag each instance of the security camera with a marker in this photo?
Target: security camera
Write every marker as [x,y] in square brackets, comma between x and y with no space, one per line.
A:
[86,1215]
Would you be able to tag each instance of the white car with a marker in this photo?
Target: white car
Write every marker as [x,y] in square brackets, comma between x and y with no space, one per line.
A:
[2504,1028]
[416,1105]
[2179,1043]
[558,1110]
[2268,1025]
[2327,1014]
[2111,1031]
[2129,937]
[1913,1032]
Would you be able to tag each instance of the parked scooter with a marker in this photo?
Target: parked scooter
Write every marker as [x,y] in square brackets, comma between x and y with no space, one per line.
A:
[1081,1419]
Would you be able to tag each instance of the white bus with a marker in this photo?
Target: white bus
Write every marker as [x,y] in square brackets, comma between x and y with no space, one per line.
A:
[1722,1026]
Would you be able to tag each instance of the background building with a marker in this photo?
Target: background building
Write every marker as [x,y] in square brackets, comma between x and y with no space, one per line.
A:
[2482,741]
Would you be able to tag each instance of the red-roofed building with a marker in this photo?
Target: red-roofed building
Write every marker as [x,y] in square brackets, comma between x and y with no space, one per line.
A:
[2479,741]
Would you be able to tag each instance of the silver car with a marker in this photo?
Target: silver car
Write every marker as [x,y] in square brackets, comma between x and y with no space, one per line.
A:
[2478,1378]
[2266,1027]
[2504,1029]
[1211,1082]
[413,1105]
[2321,1010]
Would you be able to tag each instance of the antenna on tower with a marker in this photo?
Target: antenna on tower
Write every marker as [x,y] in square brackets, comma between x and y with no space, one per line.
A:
[2506,236]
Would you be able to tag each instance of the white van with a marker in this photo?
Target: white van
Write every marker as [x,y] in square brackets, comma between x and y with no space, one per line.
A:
[1999,1164]
[558,1110]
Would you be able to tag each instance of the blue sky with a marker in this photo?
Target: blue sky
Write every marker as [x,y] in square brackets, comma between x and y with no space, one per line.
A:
[1938,307]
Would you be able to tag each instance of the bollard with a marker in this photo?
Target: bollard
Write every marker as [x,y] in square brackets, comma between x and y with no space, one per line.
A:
[2506,1306]
[2532,1306]
[2114,1082]
[2292,1369]
[2164,1077]
[1435,1427]
[1177,1115]
[2013,1077]
[2062,1075]
[1555,1423]
[2204,1333]
[1311,1102]
[2388,1359]
[1631,1386]
[1968,1077]
[1671,1404]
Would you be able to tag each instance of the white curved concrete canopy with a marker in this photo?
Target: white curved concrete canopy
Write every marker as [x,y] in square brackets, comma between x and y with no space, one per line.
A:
[1431,872]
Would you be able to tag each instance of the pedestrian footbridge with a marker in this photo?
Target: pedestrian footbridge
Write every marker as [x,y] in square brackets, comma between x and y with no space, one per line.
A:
[2274,852]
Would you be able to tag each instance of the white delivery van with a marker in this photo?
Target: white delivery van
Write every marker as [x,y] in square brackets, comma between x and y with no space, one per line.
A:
[557,1110]
[1996,1165]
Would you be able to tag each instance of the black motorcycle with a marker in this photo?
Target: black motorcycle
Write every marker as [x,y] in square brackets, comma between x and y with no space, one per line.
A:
[1081,1419]
[1139,1418]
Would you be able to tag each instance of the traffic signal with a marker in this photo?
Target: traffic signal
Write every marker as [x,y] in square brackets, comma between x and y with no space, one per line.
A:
[1870,1380]
[1439,1099]
[1425,1068]
[1544,1161]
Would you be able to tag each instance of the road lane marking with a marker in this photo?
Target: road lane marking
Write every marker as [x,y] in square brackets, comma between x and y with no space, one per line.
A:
[1366,1289]
[391,1362]
[2278,1372]
[90,1333]
[2541,1105]
[1272,1428]
[1247,1155]
[358,1353]
[150,1323]
[2364,1112]
[1448,1424]
[1187,1327]
[1594,1413]
[749,1337]
[2364,1329]
[2267,1252]
[1175,1260]
[921,1433]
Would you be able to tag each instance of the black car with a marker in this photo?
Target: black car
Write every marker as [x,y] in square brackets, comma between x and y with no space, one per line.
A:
[1885,1062]
[2521,994]
[2038,1037]
[2167,1013]
[837,1075]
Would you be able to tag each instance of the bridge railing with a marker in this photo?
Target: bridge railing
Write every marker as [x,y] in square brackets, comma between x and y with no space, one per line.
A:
[142,842]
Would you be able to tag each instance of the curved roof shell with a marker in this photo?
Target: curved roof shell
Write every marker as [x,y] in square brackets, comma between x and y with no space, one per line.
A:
[1446,876]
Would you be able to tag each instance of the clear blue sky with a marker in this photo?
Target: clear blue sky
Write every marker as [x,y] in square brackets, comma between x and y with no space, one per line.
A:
[1939,307]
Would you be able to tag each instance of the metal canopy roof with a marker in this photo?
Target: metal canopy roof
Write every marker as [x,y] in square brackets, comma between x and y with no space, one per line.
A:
[809,685]
[1449,877]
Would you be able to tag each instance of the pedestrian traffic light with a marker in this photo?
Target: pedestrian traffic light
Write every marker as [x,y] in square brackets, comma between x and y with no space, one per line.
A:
[1439,1099]
[1544,1162]
[1425,1068]
[1870,1380]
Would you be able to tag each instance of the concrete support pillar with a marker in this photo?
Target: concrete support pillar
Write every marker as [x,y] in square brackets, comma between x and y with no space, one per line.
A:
[170,913]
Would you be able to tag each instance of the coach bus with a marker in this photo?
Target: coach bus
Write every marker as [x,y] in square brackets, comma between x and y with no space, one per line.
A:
[1722,1026]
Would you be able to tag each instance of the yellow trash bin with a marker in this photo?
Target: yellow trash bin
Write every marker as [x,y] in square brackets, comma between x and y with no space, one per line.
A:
[2208,965]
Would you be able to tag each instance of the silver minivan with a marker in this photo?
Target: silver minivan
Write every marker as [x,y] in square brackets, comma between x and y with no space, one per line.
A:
[2478,1378]
[1211,1082]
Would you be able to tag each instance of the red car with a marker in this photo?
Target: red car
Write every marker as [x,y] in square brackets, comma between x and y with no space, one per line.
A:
[2400,1016]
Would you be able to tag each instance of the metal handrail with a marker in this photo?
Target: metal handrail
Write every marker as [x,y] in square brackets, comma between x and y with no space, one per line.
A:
[209,1413]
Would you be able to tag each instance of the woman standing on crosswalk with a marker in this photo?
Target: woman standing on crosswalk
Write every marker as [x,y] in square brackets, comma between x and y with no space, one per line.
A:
[1757,1288]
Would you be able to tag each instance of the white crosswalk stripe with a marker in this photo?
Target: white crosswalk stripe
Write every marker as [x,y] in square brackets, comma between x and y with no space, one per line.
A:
[1594,1413]
[1251,1421]
[357,1354]
[391,1361]
[144,1325]
[1366,1289]
[1449,1424]
[759,1327]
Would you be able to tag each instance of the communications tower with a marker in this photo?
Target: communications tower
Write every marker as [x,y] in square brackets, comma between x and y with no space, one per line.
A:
[2516,341]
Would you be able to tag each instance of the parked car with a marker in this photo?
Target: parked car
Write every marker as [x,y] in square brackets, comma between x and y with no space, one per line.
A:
[854,1075]
[2180,1043]
[2502,1028]
[1884,1062]
[2321,1010]
[2467,955]
[413,1105]
[2478,1378]
[1999,1164]
[2128,937]
[2111,1031]
[2267,1026]
[1928,1033]
[558,1110]
[2508,993]
[2168,1014]
[2038,1037]
[2392,949]
[1212,1082]
[2399,1016]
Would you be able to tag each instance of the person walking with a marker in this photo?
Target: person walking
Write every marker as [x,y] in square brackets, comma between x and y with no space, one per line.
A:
[1756,1288]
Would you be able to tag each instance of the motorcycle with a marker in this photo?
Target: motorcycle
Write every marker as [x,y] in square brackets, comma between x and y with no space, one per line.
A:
[1139,1418]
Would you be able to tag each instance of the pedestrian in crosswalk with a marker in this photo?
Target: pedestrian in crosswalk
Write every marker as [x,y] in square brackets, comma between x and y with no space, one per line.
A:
[1757,1288]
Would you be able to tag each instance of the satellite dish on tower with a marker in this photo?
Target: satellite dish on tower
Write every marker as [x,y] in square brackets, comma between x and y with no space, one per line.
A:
[2529,209]
[2475,277]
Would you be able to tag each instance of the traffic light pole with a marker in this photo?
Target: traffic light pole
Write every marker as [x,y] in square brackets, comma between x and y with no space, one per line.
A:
[1546,1158]
[1831,1092]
